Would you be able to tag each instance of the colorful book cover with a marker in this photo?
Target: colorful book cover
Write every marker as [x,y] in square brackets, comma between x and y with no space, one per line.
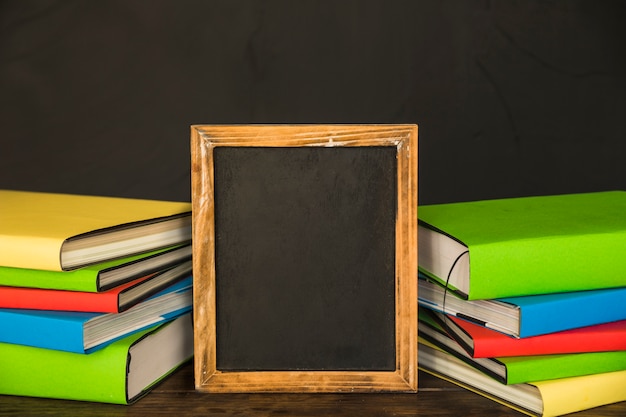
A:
[521,369]
[539,398]
[525,246]
[98,277]
[120,373]
[481,342]
[115,300]
[63,231]
[86,332]
[526,316]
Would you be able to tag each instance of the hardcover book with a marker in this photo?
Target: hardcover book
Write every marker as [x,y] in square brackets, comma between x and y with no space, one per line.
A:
[63,232]
[98,277]
[525,246]
[522,369]
[115,300]
[540,398]
[481,342]
[121,373]
[87,332]
[526,316]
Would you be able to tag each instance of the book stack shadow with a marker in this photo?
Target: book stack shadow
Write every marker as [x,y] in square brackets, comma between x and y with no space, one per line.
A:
[95,295]
[521,300]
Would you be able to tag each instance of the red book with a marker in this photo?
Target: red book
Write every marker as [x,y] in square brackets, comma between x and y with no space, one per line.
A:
[481,342]
[115,300]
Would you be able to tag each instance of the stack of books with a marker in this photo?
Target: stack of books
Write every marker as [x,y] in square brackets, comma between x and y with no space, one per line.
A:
[522,300]
[95,295]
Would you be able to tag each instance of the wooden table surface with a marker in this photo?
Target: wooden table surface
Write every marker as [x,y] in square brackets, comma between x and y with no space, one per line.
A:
[176,396]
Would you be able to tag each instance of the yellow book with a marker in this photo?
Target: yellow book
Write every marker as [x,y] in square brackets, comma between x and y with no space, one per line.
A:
[543,398]
[60,232]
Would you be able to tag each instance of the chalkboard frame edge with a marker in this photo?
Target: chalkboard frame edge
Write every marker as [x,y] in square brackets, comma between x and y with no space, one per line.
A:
[204,139]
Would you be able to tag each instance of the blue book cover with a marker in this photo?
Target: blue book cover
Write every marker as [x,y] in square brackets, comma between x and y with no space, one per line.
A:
[543,314]
[530,315]
[85,332]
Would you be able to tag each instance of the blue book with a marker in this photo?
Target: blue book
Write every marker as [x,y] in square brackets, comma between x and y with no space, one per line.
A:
[85,332]
[530,315]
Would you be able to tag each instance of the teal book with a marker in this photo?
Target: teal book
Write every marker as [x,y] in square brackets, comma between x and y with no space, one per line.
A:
[98,277]
[525,246]
[121,373]
[522,369]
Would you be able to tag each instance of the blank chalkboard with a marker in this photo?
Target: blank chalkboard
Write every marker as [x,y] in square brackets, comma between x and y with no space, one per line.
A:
[304,245]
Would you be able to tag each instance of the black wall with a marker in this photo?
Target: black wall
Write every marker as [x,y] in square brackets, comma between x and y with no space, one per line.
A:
[511,97]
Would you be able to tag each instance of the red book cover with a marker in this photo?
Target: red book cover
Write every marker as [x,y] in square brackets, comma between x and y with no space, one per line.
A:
[114,300]
[482,342]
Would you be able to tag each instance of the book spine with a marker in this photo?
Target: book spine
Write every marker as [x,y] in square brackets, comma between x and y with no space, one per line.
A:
[41,329]
[31,252]
[37,372]
[601,306]
[77,280]
[40,299]
[582,393]
[547,367]
[569,341]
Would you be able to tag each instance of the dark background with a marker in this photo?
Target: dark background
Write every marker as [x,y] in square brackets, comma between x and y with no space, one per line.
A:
[512,98]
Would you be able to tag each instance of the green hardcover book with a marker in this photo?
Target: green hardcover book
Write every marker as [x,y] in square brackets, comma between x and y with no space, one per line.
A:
[523,369]
[525,246]
[98,277]
[120,373]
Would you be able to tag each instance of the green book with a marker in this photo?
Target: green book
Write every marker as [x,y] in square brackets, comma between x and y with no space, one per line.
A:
[98,277]
[523,369]
[525,246]
[120,373]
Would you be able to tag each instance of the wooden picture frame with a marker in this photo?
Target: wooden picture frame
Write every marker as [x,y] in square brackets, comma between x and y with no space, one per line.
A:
[351,326]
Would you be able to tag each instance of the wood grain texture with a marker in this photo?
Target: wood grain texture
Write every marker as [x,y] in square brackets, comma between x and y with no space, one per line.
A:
[211,379]
[176,396]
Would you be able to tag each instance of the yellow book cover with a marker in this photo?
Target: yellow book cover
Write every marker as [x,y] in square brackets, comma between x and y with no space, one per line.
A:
[574,394]
[64,231]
